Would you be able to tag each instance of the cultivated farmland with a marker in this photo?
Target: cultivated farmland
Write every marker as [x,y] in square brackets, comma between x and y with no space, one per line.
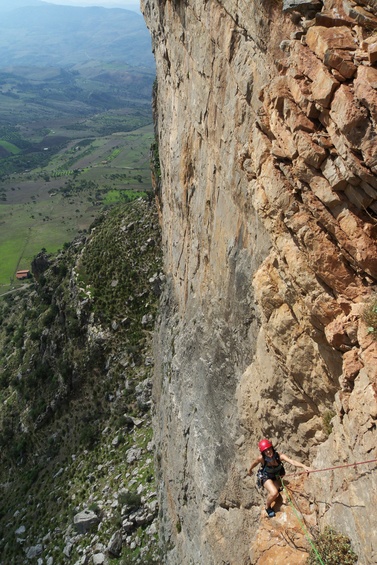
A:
[71,143]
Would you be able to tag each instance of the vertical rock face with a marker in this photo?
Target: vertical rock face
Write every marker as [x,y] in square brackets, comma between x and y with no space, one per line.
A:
[266,120]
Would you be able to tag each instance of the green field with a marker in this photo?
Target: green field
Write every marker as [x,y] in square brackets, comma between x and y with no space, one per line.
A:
[13,149]
[115,196]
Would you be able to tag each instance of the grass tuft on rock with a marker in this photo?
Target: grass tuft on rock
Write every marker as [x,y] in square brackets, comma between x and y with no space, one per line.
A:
[370,315]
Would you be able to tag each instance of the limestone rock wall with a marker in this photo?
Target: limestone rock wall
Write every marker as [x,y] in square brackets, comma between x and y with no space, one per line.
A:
[266,122]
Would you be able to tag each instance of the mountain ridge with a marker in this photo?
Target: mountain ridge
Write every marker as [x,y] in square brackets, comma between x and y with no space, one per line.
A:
[6,6]
[49,34]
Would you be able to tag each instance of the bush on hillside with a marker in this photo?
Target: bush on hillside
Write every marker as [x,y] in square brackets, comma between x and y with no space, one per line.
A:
[130,499]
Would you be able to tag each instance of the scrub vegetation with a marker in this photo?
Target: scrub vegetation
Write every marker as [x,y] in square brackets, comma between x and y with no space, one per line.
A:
[332,548]
[75,352]
[75,341]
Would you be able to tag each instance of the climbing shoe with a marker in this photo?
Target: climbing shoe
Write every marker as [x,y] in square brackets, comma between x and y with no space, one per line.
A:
[270,512]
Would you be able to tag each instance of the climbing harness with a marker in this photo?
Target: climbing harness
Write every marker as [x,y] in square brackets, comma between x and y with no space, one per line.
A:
[267,471]
[271,470]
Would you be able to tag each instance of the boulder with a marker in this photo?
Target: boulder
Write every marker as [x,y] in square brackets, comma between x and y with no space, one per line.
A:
[68,549]
[302,6]
[115,544]
[322,40]
[352,365]
[34,551]
[133,454]
[86,520]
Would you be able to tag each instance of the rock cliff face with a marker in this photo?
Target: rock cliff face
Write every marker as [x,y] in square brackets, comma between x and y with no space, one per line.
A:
[266,119]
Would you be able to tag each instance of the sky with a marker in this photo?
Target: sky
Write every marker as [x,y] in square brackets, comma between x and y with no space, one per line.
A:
[127,4]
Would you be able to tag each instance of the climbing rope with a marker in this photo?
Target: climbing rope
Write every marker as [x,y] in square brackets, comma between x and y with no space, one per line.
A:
[331,468]
[301,522]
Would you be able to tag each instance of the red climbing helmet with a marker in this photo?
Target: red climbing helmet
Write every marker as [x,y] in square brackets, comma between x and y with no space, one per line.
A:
[264,444]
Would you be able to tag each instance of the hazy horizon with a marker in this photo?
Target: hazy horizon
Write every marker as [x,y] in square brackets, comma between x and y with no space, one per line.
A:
[127,5]
[133,5]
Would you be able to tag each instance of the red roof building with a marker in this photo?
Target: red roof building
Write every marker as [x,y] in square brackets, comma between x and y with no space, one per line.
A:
[22,275]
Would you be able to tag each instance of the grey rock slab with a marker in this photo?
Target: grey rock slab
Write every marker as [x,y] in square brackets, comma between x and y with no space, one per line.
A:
[85,521]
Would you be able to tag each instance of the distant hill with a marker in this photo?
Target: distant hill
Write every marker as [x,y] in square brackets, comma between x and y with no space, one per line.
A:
[7,6]
[41,34]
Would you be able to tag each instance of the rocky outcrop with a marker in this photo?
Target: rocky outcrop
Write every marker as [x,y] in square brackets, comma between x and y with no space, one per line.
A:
[40,264]
[266,123]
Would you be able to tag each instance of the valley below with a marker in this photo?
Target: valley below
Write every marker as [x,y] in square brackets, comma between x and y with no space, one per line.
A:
[72,142]
[75,122]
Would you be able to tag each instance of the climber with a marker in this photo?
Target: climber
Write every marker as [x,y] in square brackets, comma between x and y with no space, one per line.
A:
[271,470]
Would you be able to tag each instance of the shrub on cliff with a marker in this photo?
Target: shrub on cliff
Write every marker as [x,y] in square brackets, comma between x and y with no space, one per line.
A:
[332,548]
[370,316]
